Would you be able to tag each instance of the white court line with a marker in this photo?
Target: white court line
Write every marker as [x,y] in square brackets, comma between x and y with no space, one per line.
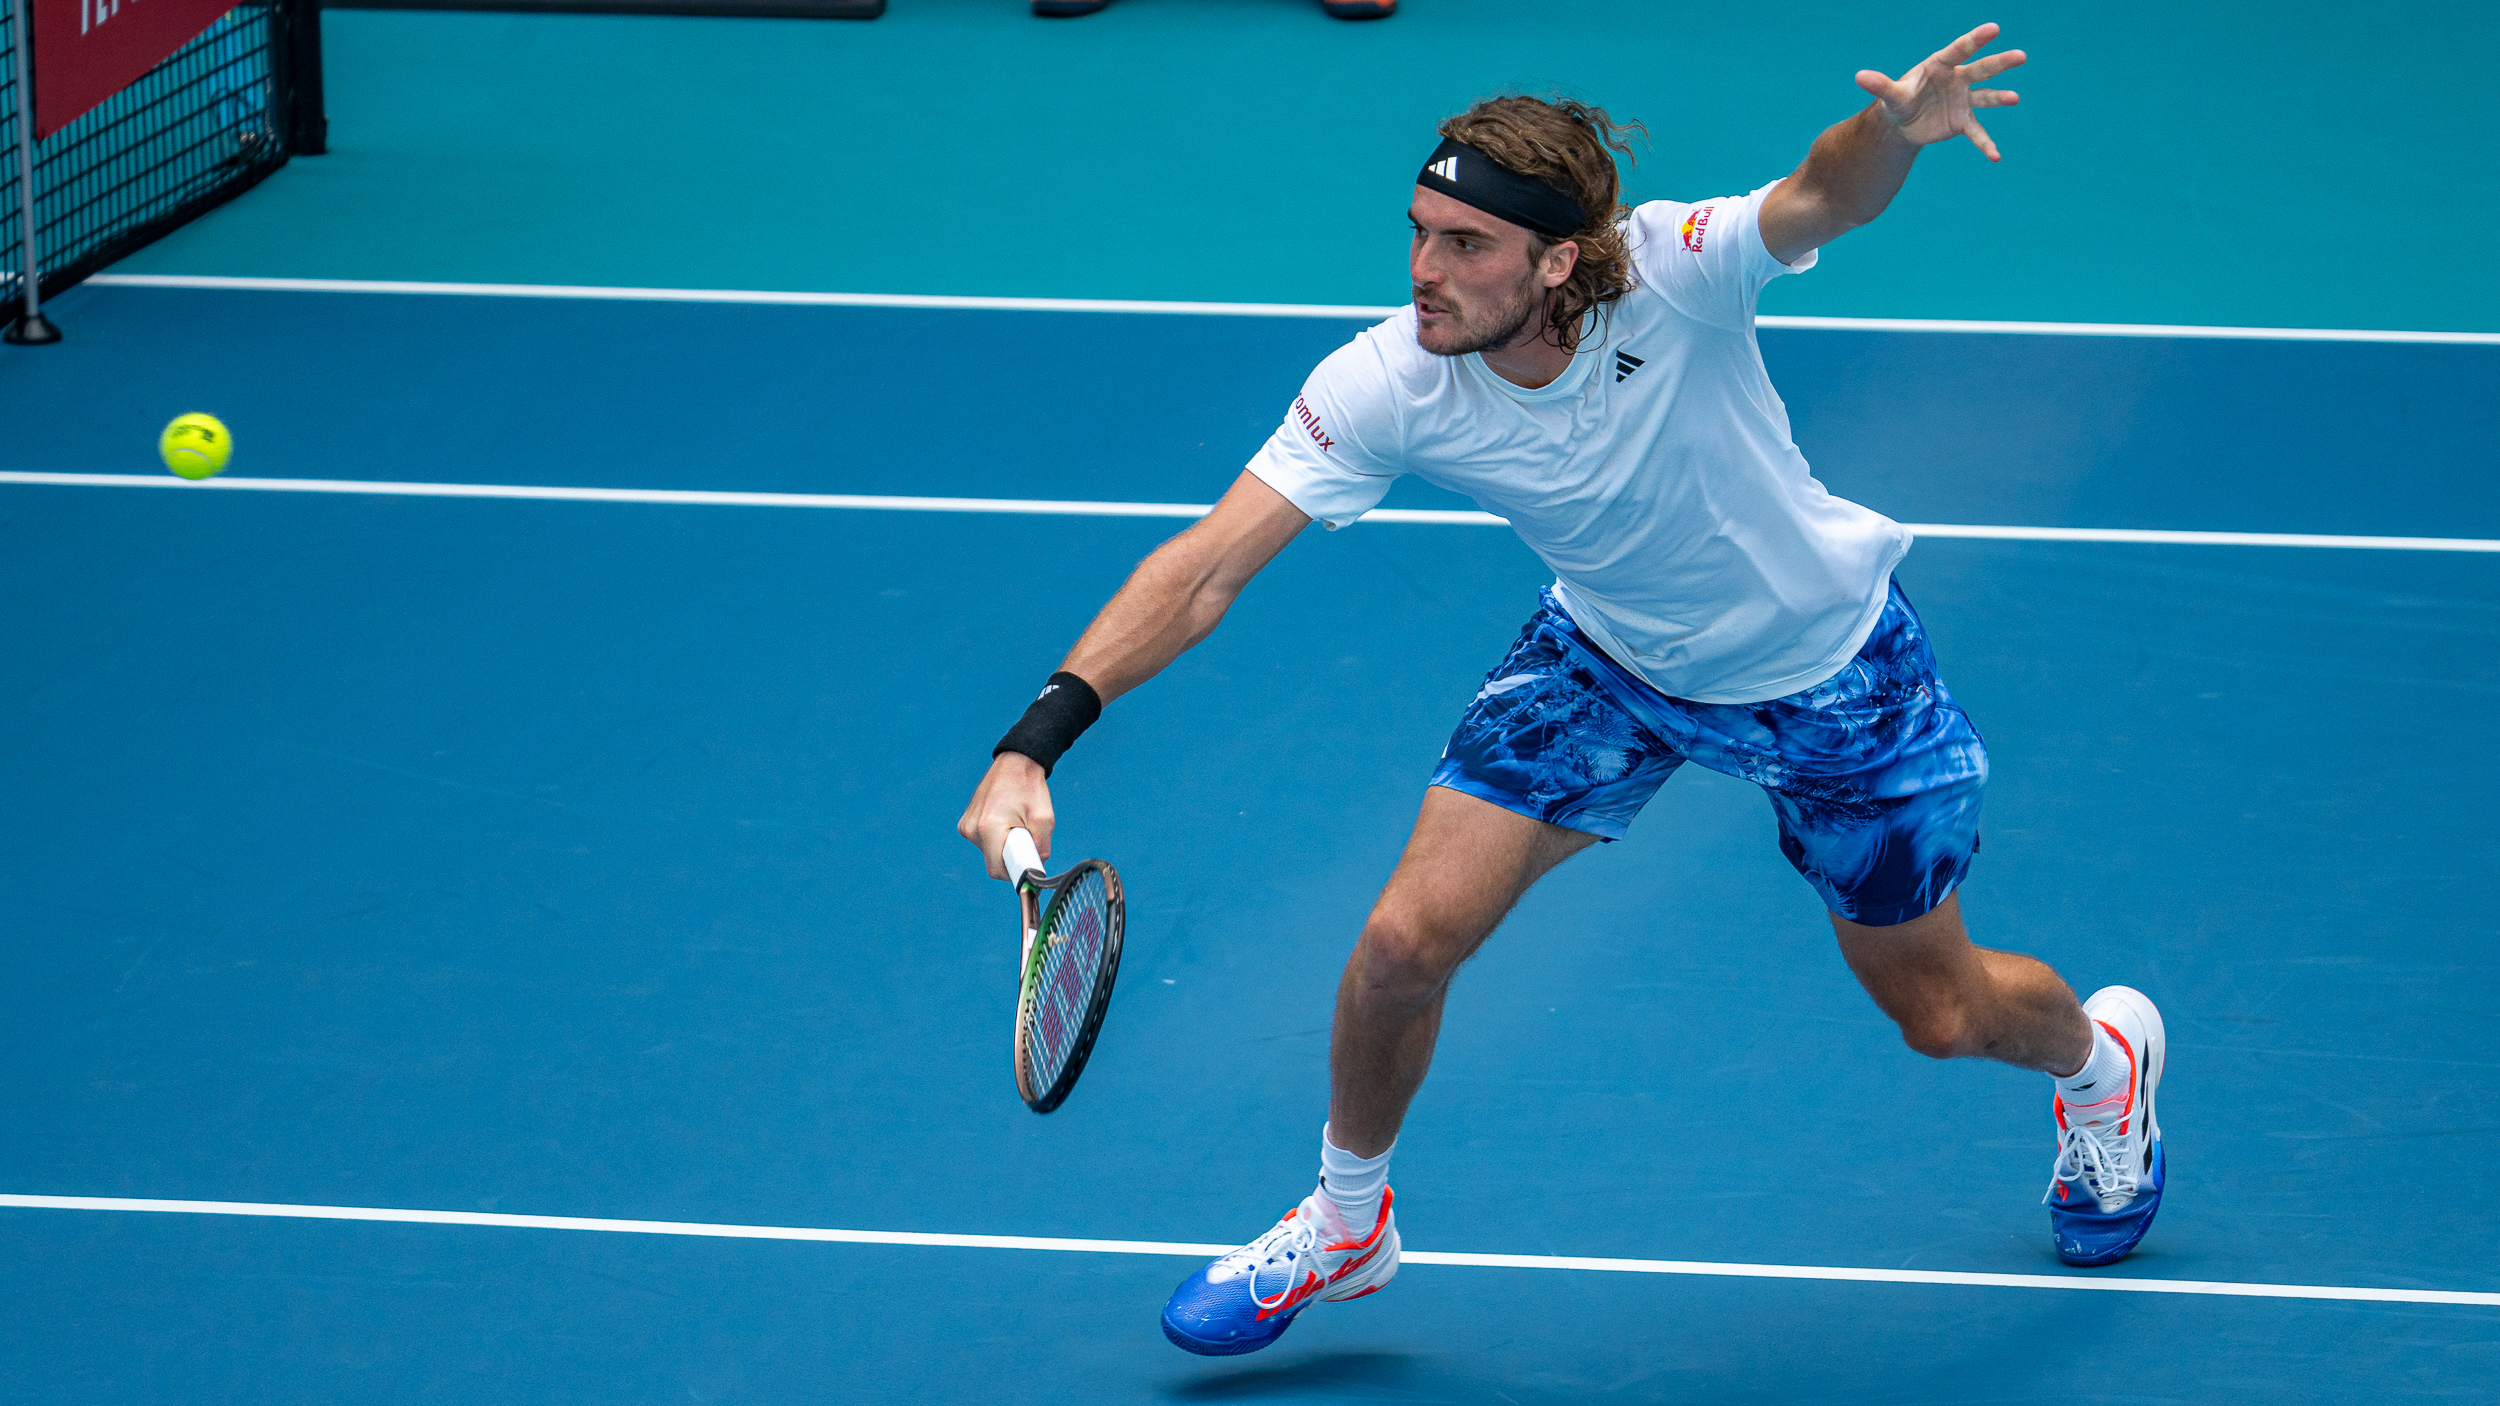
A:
[699,496]
[2201,539]
[768,298]
[2123,329]
[2221,1288]
[1079,508]
[1146,305]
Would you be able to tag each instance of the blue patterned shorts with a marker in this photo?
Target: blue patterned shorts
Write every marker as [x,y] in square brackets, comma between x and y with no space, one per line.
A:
[1875,773]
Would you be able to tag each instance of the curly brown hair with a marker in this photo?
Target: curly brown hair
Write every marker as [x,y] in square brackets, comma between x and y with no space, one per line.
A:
[1567,144]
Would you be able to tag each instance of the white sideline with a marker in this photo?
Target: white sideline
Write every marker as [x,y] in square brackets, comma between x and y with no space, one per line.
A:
[1079,508]
[1191,1251]
[766,297]
[1209,309]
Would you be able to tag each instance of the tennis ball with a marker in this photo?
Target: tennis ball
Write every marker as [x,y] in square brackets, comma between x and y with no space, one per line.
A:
[195,446]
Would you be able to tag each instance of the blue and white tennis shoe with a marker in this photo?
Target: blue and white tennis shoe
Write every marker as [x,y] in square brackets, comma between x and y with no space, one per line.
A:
[2108,1178]
[1247,1299]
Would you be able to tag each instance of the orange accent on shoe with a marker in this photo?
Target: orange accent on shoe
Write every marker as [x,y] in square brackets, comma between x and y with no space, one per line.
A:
[1310,1285]
[1380,1223]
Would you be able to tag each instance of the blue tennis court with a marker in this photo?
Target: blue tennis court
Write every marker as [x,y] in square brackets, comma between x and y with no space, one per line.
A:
[480,934]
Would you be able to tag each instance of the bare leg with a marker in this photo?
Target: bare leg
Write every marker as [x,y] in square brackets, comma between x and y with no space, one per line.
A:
[1953,1000]
[1466,864]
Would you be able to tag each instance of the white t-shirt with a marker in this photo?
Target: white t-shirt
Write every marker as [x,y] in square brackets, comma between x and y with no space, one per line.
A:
[1656,476]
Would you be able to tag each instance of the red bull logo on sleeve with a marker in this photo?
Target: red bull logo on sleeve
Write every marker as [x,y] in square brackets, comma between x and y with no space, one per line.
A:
[1696,225]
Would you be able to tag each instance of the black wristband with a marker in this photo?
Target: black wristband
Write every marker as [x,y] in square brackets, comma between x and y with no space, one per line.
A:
[1055,720]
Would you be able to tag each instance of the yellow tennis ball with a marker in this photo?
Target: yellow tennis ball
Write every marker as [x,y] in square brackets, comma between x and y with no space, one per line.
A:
[195,446]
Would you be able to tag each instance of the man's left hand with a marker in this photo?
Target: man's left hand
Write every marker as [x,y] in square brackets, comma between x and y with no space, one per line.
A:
[1934,101]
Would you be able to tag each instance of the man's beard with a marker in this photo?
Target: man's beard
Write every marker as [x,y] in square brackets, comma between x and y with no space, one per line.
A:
[1507,324]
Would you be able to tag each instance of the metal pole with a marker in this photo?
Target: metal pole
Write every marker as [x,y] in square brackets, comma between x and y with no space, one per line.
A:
[30,329]
[307,122]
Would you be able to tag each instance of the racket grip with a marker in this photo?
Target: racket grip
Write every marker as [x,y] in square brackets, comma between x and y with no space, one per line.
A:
[1020,855]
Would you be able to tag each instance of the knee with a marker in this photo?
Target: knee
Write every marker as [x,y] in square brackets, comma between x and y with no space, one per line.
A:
[1400,951]
[1935,1032]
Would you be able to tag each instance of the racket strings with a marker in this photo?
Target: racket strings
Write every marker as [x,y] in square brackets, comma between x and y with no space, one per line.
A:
[1071,952]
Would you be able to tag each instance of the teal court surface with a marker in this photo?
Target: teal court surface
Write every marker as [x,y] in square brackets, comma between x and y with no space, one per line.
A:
[484,922]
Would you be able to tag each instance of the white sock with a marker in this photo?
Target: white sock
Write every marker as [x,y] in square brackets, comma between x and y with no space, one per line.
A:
[2103,1075]
[1353,1183]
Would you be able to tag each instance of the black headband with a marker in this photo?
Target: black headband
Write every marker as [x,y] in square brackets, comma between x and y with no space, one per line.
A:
[1465,174]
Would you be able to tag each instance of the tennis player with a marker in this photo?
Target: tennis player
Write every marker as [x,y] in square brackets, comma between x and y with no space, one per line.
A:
[1590,373]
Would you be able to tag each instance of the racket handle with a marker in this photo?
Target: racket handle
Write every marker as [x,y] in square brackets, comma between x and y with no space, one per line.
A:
[1020,855]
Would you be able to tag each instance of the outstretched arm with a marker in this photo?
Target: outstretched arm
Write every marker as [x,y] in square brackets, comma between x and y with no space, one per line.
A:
[1857,166]
[1171,601]
[1176,596]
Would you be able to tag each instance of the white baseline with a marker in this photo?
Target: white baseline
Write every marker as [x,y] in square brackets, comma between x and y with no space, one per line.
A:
[1058,507]
[2222,1288]
[1366,313]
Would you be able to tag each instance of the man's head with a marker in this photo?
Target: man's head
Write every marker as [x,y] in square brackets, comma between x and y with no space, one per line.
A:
[1483,281]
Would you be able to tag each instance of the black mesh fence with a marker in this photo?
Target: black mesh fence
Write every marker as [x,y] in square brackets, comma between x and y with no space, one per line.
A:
[201,128]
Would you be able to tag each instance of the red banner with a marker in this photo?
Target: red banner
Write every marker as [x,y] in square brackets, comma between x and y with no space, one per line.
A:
[87,50]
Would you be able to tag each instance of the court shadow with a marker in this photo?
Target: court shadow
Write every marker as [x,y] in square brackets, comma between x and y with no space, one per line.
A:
[1390,1371]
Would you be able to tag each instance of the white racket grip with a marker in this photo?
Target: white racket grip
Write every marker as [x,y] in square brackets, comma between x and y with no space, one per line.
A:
[1020,855]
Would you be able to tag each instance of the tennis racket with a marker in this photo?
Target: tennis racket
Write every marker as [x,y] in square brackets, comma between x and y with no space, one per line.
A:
[1071,957]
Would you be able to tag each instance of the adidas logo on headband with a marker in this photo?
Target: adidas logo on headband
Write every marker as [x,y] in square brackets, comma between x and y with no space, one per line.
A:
[1501,192]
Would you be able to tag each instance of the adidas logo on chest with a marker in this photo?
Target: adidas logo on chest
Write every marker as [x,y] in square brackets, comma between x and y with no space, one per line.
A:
[1625,364]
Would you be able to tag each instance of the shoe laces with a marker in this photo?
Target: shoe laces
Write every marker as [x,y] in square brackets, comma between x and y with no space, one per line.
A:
[2102,1165]
[1291,1244]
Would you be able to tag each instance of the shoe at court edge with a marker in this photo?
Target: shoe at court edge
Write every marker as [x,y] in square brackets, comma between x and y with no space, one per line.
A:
[1247,1299]
[2108,1178]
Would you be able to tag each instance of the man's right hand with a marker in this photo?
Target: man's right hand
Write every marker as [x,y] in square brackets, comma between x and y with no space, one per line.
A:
[1014,795]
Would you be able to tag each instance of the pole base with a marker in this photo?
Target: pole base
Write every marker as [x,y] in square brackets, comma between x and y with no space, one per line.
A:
[31,330]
